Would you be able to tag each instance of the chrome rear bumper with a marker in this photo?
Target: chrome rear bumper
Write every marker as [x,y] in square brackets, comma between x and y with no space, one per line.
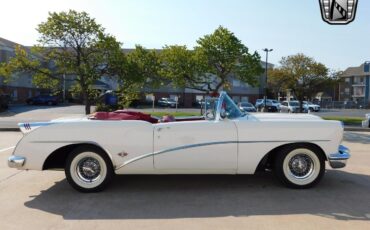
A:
[16,161]
[339,159]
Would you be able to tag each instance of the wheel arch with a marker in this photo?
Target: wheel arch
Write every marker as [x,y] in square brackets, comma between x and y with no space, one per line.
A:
[57,159]
[267,161]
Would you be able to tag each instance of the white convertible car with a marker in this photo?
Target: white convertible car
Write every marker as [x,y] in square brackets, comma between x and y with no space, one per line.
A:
[223,141]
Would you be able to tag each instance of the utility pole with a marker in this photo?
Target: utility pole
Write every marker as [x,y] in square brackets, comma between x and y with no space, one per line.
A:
[266,69]
[64,88]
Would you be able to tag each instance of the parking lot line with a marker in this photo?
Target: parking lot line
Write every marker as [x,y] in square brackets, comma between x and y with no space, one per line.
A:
[2,150]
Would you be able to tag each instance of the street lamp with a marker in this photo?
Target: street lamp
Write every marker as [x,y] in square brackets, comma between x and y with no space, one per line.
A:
[267,55]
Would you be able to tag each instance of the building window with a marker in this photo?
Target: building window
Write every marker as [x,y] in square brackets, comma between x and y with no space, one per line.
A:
[198,98]
[149,97]
[359,91]
[346,90]
[15,95]
[236,83]
[236,99]
[348,79]
[245,99]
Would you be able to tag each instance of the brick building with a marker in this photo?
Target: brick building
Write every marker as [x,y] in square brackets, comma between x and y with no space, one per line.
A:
[20,87]
[356,85]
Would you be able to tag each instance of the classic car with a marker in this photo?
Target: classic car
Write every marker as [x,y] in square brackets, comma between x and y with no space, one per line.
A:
[223,141]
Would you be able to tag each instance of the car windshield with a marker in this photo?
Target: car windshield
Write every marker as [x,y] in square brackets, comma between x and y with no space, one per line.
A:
[232,111]
[294,103]
[246,104]
[227,104]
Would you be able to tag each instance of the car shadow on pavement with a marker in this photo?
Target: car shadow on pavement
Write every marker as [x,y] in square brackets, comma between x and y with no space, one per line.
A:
[341,195]
[363,138]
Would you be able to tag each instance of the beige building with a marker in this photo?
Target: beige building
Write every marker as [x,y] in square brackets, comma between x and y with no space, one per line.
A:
[356,84]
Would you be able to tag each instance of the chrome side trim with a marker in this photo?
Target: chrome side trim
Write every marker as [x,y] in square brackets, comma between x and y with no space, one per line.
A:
[16,161]
[206,144]
[339,159]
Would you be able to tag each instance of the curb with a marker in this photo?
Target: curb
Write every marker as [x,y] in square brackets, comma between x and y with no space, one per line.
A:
[356,129]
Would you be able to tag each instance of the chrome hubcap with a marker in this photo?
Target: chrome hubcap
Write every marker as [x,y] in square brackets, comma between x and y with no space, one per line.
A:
[88,169]
[301,166]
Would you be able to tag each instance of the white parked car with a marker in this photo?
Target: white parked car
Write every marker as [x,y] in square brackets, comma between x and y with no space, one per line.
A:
[311,106]
[366,122]
[291,107]
[223,141]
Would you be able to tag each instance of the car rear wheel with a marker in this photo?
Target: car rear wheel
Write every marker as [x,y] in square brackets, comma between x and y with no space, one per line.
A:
[299,166]
[88,169]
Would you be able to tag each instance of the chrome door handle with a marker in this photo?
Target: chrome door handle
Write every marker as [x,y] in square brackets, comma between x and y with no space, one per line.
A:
[159,129]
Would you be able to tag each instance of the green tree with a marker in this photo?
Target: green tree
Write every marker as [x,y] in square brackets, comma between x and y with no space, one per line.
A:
[70,43]
[208,67]
[277,81]
[141,70]
[304,76]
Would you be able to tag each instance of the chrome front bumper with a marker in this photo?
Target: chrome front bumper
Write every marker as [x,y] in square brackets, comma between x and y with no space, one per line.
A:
[339,159]
[16,161]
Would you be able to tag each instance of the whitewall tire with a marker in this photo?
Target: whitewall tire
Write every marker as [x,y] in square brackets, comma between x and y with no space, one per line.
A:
[299,166]
[88,169]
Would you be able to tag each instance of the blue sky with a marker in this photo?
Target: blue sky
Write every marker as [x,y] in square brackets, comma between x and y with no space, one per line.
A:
[287,26]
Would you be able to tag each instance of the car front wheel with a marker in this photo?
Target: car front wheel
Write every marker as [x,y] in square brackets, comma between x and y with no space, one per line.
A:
[88,169]
[299,166]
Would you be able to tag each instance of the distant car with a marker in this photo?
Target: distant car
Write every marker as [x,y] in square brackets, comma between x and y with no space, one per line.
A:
[366,122]
[271,105]
[311,106]
[247,107]
[42,100]
[167,102]
[291,107]
[4,101]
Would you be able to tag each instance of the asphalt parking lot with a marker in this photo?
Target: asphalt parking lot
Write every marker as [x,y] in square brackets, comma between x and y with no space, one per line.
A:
[44,200]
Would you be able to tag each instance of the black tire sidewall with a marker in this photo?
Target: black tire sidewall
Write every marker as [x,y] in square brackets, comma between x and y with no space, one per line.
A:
[75,152]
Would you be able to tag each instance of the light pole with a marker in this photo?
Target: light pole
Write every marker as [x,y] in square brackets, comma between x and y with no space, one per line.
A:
[266,68]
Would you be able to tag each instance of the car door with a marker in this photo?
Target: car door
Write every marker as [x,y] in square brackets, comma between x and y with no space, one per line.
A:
[195,147]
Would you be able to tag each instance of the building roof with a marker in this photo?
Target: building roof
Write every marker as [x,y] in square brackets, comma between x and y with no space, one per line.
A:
[355,71]
[7,43]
